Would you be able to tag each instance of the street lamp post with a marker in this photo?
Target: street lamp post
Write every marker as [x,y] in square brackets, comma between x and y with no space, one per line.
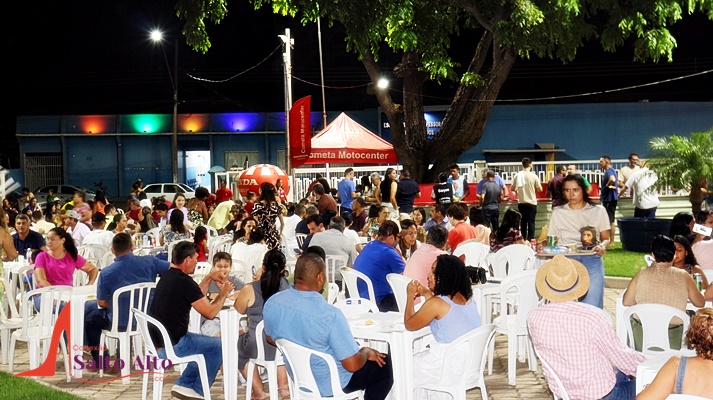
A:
[157,36]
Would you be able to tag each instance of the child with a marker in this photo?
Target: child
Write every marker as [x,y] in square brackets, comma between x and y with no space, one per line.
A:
[201,240]
[223,262]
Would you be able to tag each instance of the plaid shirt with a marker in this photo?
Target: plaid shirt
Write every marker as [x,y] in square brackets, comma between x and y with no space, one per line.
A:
[579,343]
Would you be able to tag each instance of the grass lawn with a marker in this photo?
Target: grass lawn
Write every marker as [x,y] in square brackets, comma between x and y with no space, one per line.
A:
[27,389]
[619,262]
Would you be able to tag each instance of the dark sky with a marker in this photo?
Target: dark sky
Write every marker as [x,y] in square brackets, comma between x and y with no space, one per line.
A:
[94,57]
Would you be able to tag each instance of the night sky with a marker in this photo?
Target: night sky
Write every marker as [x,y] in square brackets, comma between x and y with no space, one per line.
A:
[94,57]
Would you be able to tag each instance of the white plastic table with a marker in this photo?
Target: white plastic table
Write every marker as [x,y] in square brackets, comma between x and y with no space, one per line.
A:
[481,294]
[80,295]
[229,333]
[388,327]
[647,370]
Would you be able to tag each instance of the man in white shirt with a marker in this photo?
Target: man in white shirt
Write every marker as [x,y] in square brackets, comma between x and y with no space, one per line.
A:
[646,197]
[289,230]
[39,224]
[78,231]
[100,239]
[350,233]
[627,171]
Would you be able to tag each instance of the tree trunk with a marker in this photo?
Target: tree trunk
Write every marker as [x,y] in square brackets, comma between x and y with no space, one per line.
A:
[696,199]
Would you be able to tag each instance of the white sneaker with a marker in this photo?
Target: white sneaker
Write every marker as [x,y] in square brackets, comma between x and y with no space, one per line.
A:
[184,393]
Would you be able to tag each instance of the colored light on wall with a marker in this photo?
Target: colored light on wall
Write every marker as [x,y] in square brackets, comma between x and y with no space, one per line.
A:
[94,124]
[239,122]
[193,122]
[146,123]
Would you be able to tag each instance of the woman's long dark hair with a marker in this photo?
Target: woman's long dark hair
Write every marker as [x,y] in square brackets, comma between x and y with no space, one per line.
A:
[511,220]
[273,270]
[200,233]
[680,224]
[267,193]
[580,181]
[100,196]
[173,203]
[176,221]
[405,224]
[690,257]
[69,245]
[451,277]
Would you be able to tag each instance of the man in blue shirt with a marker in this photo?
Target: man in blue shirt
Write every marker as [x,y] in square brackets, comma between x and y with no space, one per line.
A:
[127,269]
[378,259]
[498,180]
[347,190]
[301,316]
[406,192]
[25,239]
[609,195]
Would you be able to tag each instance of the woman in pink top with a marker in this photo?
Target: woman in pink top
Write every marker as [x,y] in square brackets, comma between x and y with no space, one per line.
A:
[419,265]
[56,265]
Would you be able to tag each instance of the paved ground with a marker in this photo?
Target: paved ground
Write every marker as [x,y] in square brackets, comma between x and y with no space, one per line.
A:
[530,385]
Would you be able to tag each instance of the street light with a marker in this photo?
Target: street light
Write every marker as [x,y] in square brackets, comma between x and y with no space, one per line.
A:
[157,37]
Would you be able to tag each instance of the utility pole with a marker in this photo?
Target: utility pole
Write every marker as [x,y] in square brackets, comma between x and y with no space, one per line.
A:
[288,42]
[174,138]
[321,73]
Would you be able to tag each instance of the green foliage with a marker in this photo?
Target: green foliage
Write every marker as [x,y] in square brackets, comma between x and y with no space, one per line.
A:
[683,161]
[195,12]
[28,389]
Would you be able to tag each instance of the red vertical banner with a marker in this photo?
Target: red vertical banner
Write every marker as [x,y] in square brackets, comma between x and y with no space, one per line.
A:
[300,131]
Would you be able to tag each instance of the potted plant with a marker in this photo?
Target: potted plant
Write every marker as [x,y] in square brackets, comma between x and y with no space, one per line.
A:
[684,163]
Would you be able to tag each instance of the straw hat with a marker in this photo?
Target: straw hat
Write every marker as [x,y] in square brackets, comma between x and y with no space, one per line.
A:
[562,279]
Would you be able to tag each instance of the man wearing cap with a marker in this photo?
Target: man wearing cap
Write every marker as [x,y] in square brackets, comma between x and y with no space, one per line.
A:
[577,339]
[78,231]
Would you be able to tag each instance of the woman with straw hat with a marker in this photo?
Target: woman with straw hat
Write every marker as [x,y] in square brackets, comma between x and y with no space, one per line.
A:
[577,340]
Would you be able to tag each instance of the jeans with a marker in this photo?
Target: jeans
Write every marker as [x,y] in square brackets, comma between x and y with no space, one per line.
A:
[374,380]
[193,343]
[649,213]
[595,268]
[492,215]
[624,388]
[95,319]
[527,223]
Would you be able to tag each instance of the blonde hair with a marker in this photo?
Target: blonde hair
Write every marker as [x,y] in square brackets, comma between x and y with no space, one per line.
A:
[700,333]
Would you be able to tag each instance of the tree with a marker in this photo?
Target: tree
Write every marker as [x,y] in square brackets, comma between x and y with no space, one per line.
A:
[684,162]
[420,32]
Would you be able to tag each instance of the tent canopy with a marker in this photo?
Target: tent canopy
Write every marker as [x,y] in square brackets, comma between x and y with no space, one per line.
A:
[345,141]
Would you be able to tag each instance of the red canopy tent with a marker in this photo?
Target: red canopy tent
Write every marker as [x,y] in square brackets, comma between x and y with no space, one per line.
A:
[345,141]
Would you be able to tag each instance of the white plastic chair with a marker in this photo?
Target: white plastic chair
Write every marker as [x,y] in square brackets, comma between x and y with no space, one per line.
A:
[302,383]
[202,269]
[655,319]
[649,259]
[38,330]
[269,365]
[93,253]
[334,264]
[153,233]
[218,244]
[518,296]
[212,232]
[300,239]
[552,375]
[471,373]
[474,252]
[172,245]
[684,397]
[107,259]
[138,295]
[333,294]
[250,256]
[8,322]
[350,277]
[512,259]
[143,320]
[399,284]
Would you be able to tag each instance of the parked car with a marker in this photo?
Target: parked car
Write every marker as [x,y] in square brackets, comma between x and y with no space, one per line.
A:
[168,190]
[64,192]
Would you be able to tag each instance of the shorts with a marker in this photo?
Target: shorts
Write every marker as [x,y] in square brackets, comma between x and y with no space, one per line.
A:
[610,206]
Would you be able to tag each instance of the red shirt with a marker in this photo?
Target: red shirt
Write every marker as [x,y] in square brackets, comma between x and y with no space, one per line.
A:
[249,207]
[223,195]
[460,233]
[326,202]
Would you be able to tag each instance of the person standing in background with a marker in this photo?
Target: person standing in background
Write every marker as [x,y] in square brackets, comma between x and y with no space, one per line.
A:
[609,195]
[626,172]
[223,194]
[526,184]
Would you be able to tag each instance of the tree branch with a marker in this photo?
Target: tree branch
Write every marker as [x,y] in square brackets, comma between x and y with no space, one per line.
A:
[382,96]
[473,11]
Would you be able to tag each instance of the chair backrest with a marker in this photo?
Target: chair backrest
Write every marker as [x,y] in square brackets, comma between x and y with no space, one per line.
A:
[212,232]
[518,296]
[350,276]
[655,319]
[107,259]
[202,268]
[24,274]
[299,359]
[251,256]
[8,301]
[49,306]
[93,253]
[355,306]
[259,329]
[474,253]
[649,259]
[172,245]
[79,278]
[143,320]
[334,263]
[333,294]
[398,284]
[218,244]
[552,375]
[153,233]
[300,239]
[518,257]
[240,268]
[474,343]
[138,296]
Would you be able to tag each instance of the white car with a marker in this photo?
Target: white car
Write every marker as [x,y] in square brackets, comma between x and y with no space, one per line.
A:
[168,190]
[64,192]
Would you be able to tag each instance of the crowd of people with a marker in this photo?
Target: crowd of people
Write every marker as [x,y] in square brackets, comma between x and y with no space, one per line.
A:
[375,226]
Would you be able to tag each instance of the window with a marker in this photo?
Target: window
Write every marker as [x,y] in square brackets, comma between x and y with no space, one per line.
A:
[153,189]
[64,189]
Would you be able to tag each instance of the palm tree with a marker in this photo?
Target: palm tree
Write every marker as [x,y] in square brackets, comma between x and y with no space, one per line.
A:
[684,162]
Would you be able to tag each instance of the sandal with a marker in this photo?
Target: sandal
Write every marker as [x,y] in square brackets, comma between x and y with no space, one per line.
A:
[264,396]
[284,394]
